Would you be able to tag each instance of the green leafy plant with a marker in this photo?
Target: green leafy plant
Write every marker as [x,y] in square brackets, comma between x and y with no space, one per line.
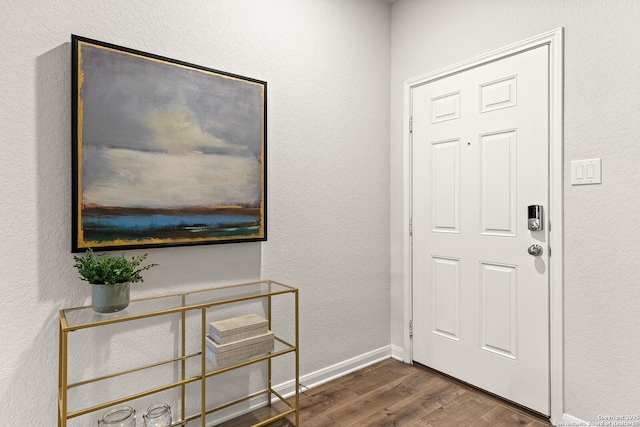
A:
[106,269]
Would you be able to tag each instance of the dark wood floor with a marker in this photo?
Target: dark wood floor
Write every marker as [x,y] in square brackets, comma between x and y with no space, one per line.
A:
[392,393]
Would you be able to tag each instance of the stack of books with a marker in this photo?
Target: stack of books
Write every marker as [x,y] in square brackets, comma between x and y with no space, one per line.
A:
[234,340]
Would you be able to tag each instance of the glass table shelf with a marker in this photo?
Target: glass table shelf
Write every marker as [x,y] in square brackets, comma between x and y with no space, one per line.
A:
[85,317]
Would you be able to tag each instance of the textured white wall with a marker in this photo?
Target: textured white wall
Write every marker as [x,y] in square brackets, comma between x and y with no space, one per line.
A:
[602,87]
[327,67]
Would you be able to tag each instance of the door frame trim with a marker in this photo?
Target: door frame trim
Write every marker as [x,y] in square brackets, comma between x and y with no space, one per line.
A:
[555,40]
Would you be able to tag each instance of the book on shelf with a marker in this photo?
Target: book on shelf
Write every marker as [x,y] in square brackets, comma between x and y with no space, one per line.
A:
[238,351]
[237,328]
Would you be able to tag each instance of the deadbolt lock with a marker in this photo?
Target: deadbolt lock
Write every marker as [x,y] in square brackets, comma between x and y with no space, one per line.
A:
[535,218]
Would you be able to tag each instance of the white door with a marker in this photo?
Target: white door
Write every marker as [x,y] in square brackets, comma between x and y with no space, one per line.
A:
[479,159]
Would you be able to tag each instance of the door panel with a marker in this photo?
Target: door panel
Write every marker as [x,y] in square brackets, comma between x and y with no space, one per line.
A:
[446,297]
[498,94]
[499,309]
[479,158]
[445,186]
[498,169]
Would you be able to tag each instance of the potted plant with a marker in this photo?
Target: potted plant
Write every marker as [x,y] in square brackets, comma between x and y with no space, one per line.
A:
[110,278]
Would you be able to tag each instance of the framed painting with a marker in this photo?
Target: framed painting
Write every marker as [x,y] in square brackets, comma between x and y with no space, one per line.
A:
[165,153]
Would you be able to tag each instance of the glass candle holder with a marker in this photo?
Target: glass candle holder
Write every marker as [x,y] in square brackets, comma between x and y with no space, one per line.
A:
[119,417]
[158,416]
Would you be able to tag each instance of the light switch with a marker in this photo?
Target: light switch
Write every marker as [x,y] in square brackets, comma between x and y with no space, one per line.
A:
[584,172]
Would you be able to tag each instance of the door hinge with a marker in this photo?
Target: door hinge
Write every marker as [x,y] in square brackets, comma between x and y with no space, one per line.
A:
[410,227]
[410,124]
[410,328]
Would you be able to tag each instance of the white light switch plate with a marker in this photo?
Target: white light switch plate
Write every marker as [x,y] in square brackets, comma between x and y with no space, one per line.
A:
[585,172]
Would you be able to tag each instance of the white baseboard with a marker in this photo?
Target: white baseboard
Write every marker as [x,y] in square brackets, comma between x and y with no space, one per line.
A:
[309,381]
[570,420]
[333,372]
[397,352]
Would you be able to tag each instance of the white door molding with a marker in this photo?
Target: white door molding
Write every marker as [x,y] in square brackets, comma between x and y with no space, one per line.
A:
[554,39]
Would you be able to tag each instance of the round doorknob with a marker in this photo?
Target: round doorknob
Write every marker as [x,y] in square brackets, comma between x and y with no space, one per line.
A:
[535,250]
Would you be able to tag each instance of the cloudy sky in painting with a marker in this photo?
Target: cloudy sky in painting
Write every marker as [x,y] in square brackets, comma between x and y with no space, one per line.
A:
[159,135]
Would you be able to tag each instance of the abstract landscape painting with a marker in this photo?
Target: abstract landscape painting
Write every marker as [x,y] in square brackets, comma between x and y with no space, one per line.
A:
[165,153]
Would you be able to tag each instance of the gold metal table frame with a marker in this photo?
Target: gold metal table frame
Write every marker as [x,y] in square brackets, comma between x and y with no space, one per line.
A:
[73,319]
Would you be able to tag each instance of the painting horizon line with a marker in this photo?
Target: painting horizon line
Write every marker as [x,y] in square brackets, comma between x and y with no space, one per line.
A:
[97,209]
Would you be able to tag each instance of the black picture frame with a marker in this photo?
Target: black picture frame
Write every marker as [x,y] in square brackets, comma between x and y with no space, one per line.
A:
[165,153]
